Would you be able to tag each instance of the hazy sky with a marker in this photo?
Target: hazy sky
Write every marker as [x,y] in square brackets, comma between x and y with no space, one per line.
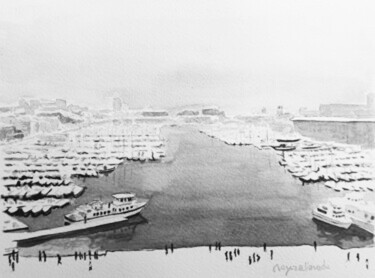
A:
[237,54]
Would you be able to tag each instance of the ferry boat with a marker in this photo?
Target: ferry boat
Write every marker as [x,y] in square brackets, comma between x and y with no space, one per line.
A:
[125,204]
[332,214]
[361,213]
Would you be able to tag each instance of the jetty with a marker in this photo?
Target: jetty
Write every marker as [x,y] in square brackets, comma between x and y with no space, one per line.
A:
[69,229]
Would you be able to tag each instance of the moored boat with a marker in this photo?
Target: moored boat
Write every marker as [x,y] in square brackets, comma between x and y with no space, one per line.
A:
[125,204]
[332,214]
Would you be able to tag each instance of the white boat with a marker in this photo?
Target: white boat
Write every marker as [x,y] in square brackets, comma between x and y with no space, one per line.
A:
[26,209]
[125,204]
[361,213]
[332,214]
[46,209]
[37,209]
[13,209]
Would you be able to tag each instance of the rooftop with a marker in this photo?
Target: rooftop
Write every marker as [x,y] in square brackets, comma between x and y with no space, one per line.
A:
[123,195]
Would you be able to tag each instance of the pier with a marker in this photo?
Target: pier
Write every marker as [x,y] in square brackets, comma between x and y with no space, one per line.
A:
[69,229]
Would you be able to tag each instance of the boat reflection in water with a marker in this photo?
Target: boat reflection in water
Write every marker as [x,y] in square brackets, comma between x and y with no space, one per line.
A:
[343,238]
[105,238]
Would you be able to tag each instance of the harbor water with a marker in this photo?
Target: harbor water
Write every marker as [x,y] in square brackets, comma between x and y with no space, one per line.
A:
[203,191]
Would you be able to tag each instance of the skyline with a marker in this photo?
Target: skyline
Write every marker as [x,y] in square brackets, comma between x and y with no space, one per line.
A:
[235,54]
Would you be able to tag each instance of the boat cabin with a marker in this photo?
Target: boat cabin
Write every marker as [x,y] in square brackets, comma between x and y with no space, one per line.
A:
[123,198]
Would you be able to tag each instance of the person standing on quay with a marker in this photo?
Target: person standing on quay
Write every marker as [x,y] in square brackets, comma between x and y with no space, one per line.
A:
[357,256]
[75,255]
[171,247]
[230,255]
[366,263]
[209,247]
[226,255]
[166,249]
[44,256]
[58,259]
[271,253]
[40,256]
[249,260]
[315,245]
[13,266]
[348,256]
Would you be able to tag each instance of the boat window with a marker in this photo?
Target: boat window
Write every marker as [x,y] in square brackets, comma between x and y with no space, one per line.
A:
[372,217]
[109,212]
[322,211]
[114,210]
[88,210]
[127,208]
[131,207]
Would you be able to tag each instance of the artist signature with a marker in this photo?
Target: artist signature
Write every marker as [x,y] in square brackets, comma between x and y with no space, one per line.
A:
[300,267]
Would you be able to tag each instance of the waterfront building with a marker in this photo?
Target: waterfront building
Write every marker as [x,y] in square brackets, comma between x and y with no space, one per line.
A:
[349,110]
[338,129]
[212,111]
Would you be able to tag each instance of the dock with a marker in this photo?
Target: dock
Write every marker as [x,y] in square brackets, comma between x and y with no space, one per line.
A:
[11,224]
[69,229]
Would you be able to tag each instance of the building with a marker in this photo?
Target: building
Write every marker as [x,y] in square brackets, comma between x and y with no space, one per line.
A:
[304,112]
[349,110]
[337,129]
[188,113]
[117,104]
[155,113]
[9,132]
[212,111]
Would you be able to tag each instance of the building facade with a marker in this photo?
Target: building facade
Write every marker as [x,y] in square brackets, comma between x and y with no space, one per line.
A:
[342,130]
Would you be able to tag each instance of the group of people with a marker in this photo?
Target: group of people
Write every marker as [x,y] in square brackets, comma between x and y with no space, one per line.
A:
[229,254]
[217,246]
[84,255]
[166,249]
[42,256]
[13,258]
[358,259]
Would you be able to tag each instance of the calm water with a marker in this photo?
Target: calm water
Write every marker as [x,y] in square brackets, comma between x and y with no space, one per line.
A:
[205,191]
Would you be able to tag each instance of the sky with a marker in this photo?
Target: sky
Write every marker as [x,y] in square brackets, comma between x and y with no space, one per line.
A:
[239,55]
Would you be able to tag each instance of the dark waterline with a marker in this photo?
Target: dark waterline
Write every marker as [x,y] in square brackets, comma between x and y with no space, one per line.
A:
[208,192]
